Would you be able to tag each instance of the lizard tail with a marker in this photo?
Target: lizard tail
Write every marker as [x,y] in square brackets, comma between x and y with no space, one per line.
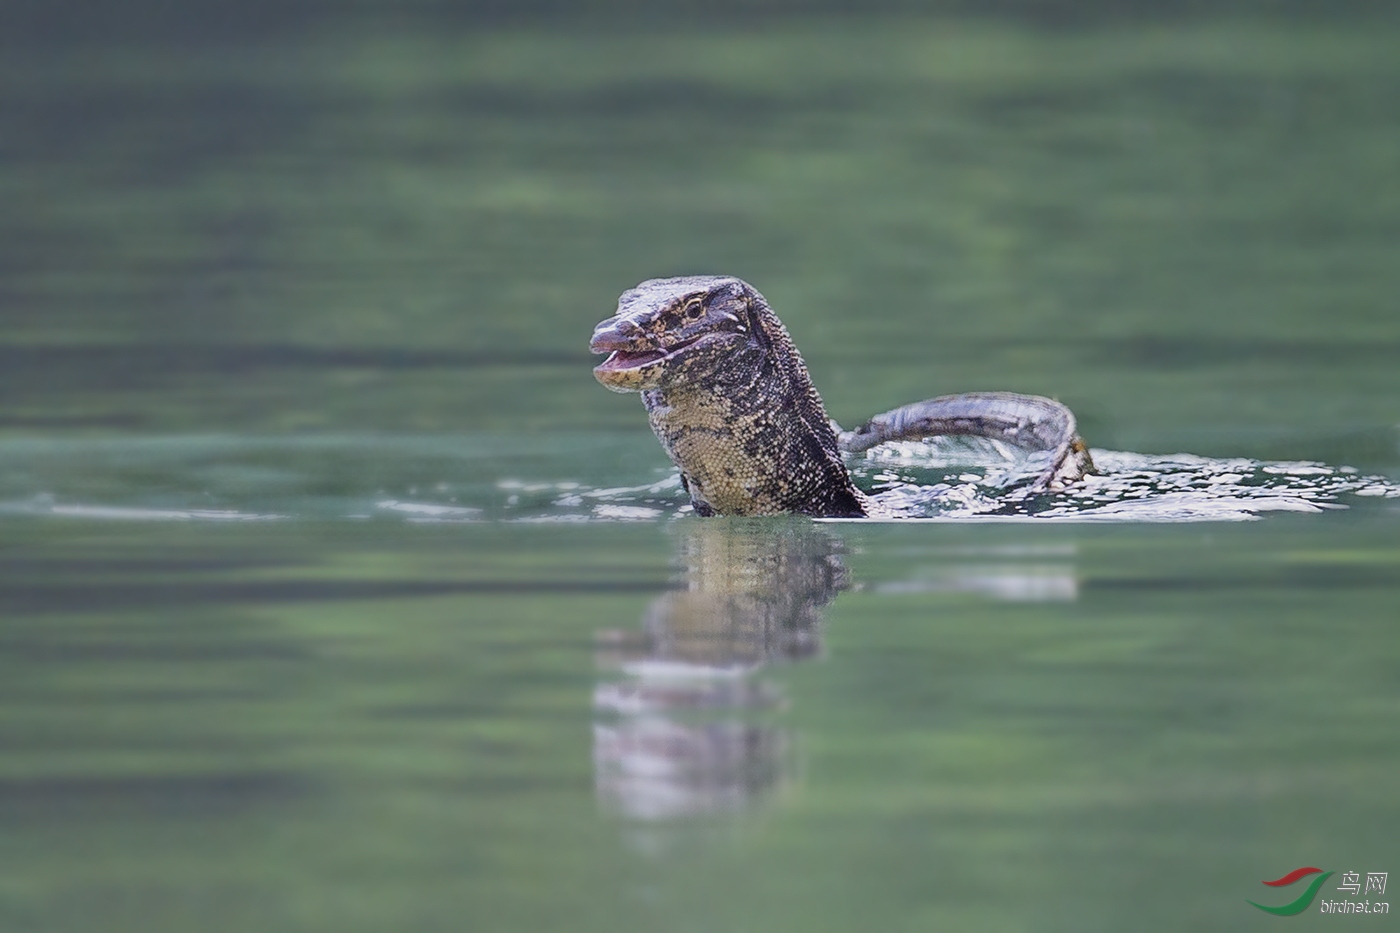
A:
[1031,422]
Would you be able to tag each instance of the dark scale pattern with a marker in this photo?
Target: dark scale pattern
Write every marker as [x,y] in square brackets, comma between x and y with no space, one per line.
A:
[729,397]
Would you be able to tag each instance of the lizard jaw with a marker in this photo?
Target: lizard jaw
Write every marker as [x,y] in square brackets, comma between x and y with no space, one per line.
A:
[628,370]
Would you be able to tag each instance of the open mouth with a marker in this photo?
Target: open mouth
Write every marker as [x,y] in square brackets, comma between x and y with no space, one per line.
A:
[623,360]
[620,360]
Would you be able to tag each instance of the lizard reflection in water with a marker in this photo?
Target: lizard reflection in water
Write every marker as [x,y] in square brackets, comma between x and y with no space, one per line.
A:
[676,732]
[729,397]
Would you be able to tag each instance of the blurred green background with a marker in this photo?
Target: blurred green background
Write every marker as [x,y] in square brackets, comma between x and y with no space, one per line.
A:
[290,217]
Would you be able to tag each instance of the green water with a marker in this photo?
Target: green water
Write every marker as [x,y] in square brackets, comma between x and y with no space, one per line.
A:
[335,595]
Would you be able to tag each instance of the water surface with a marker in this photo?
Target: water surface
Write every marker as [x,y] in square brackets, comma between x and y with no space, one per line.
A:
[350,725]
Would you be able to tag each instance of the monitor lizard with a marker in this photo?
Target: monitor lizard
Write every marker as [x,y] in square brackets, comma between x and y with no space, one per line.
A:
[729,397]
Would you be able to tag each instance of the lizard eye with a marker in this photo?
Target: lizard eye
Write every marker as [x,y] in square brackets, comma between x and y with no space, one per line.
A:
[693,311]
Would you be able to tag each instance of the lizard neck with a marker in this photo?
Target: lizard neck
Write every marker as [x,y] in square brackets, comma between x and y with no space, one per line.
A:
[756,449]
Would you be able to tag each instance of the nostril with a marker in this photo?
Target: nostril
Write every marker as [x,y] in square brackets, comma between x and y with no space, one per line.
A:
[612,335]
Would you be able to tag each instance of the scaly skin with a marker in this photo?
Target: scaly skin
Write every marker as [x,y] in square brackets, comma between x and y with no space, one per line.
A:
[729,397]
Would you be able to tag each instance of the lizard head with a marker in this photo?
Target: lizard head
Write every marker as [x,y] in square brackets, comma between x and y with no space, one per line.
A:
[668,333]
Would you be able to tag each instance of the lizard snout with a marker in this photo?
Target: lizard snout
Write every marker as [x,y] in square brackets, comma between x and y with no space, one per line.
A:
[616,334]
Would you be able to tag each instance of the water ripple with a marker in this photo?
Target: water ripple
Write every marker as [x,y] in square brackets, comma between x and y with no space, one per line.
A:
[447,481]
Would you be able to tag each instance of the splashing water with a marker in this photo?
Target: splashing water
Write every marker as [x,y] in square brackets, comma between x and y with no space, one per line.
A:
[473,479]
[957,480]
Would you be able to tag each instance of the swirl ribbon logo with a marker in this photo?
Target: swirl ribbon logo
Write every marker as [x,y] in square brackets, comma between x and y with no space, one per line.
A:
[1304,900]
